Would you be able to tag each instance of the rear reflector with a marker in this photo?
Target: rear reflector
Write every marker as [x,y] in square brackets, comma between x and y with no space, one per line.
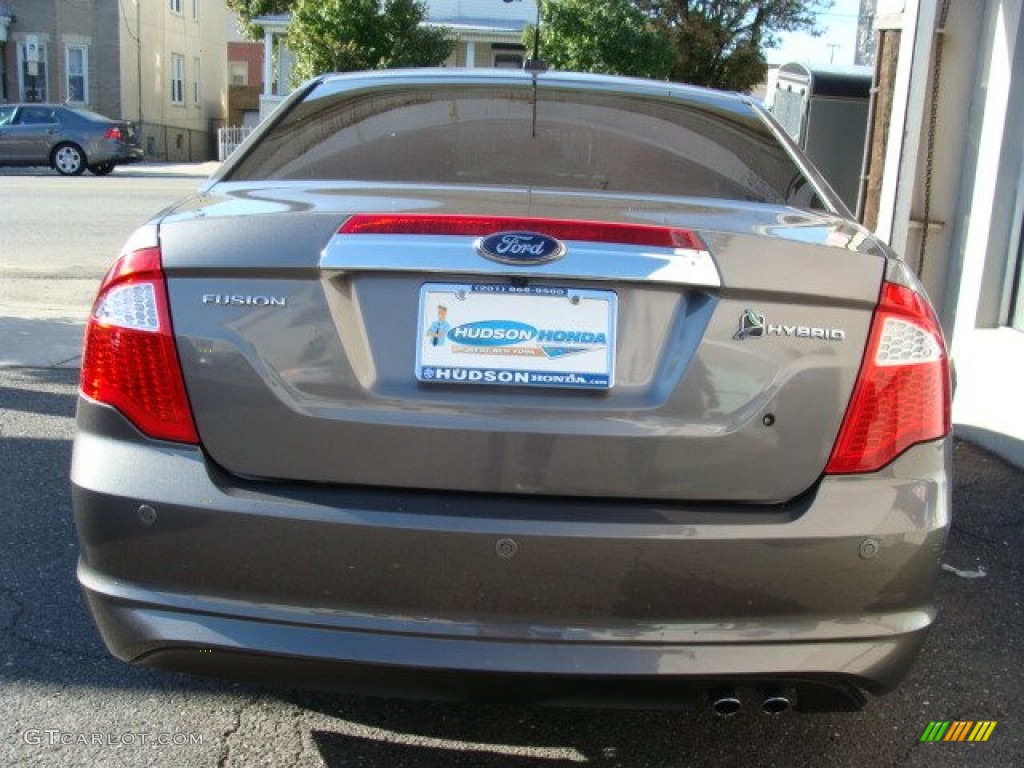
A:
[902,395]
[130,360]
[479,226]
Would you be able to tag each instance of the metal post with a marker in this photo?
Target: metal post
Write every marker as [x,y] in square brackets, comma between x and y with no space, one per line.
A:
[534,63]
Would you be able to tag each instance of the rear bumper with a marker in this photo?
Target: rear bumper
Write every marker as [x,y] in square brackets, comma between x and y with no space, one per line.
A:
[130,155]
[187,568]
[117,153]
[311,653]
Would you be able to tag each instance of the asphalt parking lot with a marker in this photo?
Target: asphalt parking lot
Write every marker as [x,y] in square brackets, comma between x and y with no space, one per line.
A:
[65,701]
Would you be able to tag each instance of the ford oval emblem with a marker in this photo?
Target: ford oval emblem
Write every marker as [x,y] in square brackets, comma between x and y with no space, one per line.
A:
[521,248]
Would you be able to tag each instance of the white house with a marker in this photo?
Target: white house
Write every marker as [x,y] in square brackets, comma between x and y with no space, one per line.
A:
[487,33]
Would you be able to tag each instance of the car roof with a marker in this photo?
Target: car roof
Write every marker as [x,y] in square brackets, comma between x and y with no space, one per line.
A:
[697,95]
[78,111]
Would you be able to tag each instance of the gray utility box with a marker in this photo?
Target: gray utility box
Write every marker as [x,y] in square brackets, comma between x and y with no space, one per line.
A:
[825,110]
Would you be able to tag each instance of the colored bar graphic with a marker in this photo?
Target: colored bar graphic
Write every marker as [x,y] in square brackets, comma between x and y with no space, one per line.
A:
[935,731]
[959,730]
[982,730]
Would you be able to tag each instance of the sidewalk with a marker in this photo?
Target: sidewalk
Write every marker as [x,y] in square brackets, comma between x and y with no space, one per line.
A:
[50,269]
[978,413]
[196,170]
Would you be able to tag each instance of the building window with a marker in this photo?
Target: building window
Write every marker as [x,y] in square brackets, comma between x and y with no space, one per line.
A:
[238,72]
[32,81]
[508,55]
[195,9]
[508,61]
[176,6]
[196,88]
[77,73]
[177,78]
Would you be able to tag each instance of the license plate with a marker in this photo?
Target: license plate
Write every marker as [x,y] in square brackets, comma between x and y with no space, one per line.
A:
[530,336]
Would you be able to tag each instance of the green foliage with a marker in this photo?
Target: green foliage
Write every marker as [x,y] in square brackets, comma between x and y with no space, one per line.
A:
[348,35]
[720,43]
[606,36]
[247,10]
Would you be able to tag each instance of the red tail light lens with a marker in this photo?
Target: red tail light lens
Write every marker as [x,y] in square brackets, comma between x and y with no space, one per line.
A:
[130,360]
[902,395]
[563,229]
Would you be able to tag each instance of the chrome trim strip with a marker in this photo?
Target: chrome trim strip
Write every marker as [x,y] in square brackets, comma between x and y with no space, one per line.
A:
[455,255]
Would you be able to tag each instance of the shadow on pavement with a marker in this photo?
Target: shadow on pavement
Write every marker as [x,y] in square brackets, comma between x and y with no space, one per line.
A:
[40,343]
[46,633]
[1005,446]
[45,403]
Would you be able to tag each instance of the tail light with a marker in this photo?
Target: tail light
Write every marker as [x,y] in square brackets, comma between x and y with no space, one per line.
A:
[130,360]
[902,395]
[113,132]
[563,229]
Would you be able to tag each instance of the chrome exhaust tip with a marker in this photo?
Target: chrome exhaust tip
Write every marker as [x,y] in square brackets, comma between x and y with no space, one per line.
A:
[775,703]
[725,704]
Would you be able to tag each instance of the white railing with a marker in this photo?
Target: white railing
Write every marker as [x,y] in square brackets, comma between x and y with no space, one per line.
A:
[229,138]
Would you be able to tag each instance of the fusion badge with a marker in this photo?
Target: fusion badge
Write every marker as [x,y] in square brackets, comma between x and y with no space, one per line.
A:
[244,300]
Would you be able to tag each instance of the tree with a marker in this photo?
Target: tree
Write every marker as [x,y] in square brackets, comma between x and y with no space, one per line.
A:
[347,35]
[607,36]
[720,43]
[247,10]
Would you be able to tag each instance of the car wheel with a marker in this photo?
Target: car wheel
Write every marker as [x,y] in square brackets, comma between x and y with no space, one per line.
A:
[101,169]
[68,159]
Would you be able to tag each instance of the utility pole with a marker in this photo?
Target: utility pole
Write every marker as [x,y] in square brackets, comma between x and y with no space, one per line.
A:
[833,47]
[138,56]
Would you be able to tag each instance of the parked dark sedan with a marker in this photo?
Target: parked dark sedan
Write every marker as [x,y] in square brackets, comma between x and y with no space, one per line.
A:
[491,383]
[68,139]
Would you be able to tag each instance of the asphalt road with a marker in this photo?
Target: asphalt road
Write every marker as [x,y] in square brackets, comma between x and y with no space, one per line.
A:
[65,701]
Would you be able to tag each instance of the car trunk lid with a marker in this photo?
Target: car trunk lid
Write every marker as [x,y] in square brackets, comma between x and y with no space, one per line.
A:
[303,344]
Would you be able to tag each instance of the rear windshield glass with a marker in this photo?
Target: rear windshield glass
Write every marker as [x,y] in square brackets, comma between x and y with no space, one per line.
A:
[580,140]
[92,117]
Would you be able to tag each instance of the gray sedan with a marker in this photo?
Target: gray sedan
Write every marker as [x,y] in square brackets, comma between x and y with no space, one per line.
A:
[489,383]
[65,138]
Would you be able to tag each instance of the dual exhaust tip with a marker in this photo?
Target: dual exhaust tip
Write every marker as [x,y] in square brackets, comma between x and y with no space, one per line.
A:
[728,703]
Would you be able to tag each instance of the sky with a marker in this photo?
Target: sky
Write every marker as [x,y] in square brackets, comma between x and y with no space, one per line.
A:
[837,46]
